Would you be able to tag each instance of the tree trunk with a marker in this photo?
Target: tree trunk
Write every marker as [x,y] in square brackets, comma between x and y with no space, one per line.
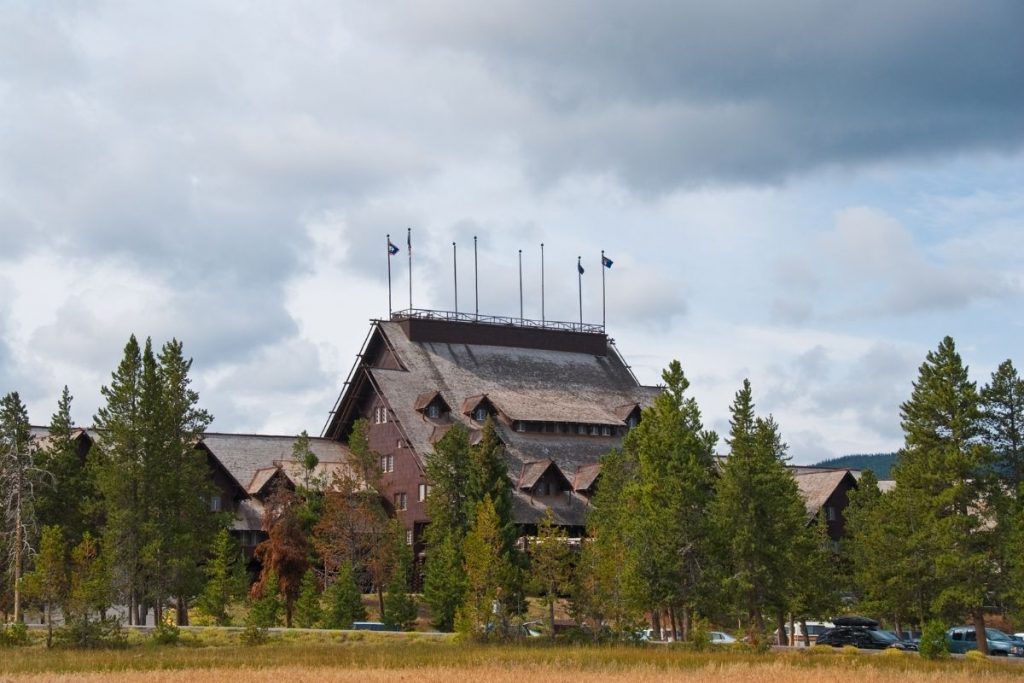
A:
[899,628]
[674,623]
[182,611]
[979,630]
[380,600]
[551,612]
[807,636]
[49,627]
[656,624]
[687,622]
[780,621]
[17,554]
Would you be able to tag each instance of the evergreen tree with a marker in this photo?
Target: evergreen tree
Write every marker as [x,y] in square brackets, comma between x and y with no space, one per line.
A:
[484,611]
[815,576]
[226,580]
[344,601]
[18,478]
[284,556]
[605,590]
[49,582]
[673,488]
[444,584]
[307,606]
[69,501]
[550,565]
[399,606]
[265,606]
[117,460]
[759,516]
[90,583]
[1003,420]
[945,469]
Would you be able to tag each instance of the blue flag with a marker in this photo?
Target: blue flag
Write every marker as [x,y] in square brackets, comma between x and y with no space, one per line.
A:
[579,267]
[605,261]
[392,249]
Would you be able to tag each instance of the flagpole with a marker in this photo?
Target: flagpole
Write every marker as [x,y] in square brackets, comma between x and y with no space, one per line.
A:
[455,276]
[408,244]
[389,275]
[579,285]
[520,285]
[542,319]
[476,280]
[604,323]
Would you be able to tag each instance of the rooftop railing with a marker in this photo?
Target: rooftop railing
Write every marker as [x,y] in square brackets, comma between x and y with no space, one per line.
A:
[499,320]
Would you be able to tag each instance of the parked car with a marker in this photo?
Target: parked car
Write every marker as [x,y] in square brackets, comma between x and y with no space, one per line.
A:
[864,638]
[814,629]
[960,639]
[721,638]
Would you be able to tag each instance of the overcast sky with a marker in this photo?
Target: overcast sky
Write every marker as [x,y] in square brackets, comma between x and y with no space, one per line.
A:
[810,195]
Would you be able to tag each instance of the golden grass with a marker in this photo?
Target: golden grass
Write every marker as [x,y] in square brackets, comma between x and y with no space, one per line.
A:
[744,672]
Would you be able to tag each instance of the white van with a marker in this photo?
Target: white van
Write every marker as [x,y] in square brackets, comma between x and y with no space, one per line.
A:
[814,629]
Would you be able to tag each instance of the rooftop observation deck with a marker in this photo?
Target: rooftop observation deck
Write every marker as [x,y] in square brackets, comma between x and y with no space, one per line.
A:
[453,327]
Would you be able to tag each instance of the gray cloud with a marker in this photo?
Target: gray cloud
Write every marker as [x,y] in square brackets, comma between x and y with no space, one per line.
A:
[667,93]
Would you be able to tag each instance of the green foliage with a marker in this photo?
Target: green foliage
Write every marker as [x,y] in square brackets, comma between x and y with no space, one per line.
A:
[758,514]
[265,609]
[700,634]
[89,587]
[483,614]
[880,464]
[226,580]
[166,634]
[1003,420]
[307,606]
[284,556]
[399,606]
[101,634]
[14,635]
[444,584]
[672,490]
[344,601]
[933,641]
[550,565]
[48,584]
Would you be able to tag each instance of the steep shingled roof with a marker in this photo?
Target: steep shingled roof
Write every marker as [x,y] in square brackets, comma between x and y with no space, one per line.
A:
[816,487]
[242,455]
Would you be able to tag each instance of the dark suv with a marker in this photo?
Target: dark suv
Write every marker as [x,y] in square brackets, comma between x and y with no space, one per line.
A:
[863,633]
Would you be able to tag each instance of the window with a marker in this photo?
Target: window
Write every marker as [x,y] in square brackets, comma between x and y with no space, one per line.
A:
[215,504]
[830,513]
[401,502]
[422,494]
[399,444]
[434,411]
[408,536]
[380,415]
[520,426]
[480,413]
[581,429]
[632,421]
[594,430]
[387,463]
[606,430]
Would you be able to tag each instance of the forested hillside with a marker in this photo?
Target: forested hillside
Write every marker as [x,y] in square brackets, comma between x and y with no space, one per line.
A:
[879,463]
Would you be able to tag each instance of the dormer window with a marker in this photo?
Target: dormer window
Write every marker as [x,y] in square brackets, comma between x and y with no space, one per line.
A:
[434,410]
[633,420]
[431,405]
[480,413]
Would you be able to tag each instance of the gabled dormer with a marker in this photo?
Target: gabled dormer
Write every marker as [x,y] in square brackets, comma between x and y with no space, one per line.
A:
[543,478]
[478,408]
[432,405]
[629,413]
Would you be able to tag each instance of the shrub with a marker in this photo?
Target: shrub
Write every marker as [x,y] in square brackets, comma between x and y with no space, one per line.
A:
[14,635]
[975,655]
[700,637]
[933,641]
[166,634]
[254,635]
[849,650]
[100,634]
[892,652]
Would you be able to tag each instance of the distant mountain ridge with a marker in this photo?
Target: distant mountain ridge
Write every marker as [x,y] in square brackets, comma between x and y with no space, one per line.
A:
[879,463]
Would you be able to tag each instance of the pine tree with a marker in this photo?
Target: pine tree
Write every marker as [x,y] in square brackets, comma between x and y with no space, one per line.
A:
[673,487]
[759,516]
[307,606]
[1003,419]
[344,601]
[605,591]
[18,478]
[117,461]
[284,556]
[945,470]
[550,565]
[484,610]
[444,584]
[399,606]
[814,590]
[265,606]
[226,580]
[49,583]
[69,501]
[90,583]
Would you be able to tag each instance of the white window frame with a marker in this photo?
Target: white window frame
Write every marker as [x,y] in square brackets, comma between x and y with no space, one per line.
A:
[422,493]
[434,411]
[387,463]
[401,501]
[408,536]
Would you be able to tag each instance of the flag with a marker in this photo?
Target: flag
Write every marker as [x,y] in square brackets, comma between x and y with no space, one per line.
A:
[392,249]
[408,241]
[605,261]
[579,267]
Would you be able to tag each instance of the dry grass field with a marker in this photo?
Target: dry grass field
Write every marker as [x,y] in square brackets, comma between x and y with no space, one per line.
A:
[388,660]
